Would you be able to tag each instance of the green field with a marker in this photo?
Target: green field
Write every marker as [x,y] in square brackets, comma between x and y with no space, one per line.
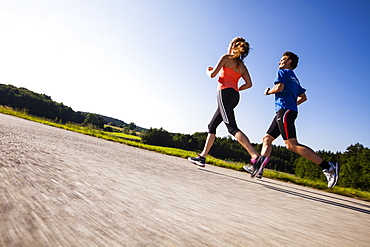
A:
[125,136]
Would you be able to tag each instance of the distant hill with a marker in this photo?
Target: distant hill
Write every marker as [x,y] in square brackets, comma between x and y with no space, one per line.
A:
[120,123]
[42,105]
[114,121]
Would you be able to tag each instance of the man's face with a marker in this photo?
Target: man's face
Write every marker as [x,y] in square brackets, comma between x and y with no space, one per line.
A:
[285,63]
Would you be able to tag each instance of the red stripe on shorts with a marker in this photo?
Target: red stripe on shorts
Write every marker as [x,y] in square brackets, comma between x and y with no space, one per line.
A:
[285,122]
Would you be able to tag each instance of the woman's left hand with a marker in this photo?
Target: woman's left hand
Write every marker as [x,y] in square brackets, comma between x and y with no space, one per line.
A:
[209,71]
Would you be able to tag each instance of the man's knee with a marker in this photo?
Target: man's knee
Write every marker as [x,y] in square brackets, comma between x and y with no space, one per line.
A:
[290,147]
[291,144]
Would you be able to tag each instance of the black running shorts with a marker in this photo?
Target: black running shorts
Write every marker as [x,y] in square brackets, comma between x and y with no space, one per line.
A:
[283,124]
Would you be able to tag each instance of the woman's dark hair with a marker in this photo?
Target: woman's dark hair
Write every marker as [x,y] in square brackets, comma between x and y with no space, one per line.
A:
[293,57]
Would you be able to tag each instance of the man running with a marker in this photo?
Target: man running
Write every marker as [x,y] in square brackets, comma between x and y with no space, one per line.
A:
[288,95]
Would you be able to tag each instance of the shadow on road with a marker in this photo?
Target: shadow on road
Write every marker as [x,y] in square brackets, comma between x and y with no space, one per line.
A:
[272,186]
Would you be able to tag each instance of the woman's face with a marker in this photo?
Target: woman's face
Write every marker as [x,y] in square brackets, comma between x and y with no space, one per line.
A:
[230,49]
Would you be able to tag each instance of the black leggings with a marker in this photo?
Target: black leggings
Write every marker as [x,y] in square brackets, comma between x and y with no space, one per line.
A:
[227,100]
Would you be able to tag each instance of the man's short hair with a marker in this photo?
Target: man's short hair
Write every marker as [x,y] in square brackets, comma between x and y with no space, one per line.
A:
[293,57]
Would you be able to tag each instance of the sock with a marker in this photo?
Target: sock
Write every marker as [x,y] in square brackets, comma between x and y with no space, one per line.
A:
[324,165]
[254,160]
[265,161]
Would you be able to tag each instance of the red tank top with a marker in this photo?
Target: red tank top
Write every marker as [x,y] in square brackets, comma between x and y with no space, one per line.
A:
[228,78]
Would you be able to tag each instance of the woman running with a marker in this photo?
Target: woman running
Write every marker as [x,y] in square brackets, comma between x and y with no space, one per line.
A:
[231,69]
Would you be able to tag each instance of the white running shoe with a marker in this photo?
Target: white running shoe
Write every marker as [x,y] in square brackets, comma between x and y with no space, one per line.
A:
[248,168]
[332,174]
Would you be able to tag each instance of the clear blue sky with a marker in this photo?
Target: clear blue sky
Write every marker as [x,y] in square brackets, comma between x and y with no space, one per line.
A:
[144,61]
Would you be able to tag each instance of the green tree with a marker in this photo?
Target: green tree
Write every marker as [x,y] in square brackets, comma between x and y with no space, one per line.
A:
[158,137]
[95,120]
[126,130]
[108,128]
[198,140]
[307,169]
[182,141]
[132,126]
[355,171]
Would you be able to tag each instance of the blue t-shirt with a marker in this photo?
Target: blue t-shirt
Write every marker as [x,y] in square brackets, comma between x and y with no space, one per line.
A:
[287,99]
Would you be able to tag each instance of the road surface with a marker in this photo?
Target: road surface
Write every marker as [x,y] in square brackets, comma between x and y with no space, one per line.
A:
[60,188]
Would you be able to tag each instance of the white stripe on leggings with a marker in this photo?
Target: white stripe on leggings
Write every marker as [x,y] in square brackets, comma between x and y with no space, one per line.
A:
[222,108]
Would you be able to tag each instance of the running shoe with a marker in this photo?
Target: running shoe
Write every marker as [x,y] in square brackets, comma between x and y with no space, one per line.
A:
[250,169]
[258,166]
[332,174]
[259,175]
[199,161]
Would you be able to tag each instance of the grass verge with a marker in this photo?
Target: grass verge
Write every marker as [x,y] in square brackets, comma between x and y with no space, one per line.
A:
[126,136]
[133,141]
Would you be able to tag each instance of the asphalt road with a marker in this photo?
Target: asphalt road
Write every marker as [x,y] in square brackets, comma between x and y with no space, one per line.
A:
[60,188]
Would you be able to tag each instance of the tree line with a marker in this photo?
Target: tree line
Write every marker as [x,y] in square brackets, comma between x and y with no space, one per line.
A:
[355,161]
[41,105]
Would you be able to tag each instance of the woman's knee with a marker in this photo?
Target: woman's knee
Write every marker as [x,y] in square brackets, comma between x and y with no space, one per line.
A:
[267,139]
[232,130]
[211,129]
